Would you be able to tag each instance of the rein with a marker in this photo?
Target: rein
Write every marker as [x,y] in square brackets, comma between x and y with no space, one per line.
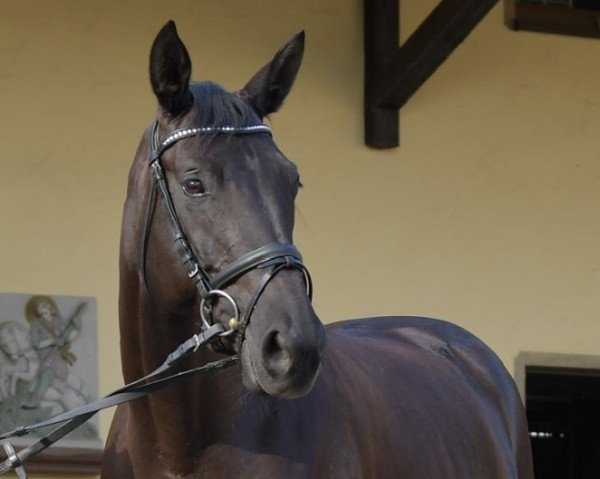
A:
[273,258]
[140,388]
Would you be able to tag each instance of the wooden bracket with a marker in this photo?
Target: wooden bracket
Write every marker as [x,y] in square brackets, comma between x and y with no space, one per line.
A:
[393,73]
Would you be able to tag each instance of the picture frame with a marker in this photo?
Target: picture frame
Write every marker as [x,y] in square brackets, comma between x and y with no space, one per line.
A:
[49,365]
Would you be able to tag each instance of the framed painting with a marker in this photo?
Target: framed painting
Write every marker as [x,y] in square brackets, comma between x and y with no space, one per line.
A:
[48,365]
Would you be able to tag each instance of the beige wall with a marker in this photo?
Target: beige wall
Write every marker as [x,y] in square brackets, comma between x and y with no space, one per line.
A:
[486,215]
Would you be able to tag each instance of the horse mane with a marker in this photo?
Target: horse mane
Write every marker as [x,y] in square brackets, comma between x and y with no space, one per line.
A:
[217,107]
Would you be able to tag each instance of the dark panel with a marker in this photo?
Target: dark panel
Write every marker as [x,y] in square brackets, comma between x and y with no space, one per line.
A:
[563,411]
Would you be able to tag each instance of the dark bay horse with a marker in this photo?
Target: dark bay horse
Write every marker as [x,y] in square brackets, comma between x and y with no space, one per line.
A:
[392,397]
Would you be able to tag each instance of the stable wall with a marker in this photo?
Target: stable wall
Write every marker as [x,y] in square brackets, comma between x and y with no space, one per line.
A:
[485,216]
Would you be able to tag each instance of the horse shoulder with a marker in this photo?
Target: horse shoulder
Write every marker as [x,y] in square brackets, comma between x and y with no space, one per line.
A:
[116,461]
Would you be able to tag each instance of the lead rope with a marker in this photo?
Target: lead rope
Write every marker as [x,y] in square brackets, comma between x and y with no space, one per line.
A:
[135,390]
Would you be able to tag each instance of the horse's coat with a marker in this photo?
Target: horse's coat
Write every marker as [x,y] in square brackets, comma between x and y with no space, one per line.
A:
[393,397]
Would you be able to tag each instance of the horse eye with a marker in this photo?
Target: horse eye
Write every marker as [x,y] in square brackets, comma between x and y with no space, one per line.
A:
[193,187]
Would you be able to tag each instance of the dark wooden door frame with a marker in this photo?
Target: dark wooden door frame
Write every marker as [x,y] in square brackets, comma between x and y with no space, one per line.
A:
[392,72]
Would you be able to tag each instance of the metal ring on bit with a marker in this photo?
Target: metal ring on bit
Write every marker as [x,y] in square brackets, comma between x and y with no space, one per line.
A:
[233,324]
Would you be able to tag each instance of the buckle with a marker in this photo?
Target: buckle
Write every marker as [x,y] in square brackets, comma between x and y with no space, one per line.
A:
[15,461]
[207,335]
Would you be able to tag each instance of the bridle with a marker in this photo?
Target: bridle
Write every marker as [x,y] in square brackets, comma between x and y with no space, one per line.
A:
[273,257]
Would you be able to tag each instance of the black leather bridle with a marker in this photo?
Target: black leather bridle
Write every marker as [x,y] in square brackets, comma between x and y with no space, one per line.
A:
[273,257]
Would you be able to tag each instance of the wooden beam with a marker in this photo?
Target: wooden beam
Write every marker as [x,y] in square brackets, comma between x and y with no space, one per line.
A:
[381,33]
[395,74]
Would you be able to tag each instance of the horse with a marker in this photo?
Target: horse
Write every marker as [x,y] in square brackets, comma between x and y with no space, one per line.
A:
[388,397]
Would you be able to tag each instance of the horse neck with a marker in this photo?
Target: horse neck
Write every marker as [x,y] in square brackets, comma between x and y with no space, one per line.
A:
[182,415]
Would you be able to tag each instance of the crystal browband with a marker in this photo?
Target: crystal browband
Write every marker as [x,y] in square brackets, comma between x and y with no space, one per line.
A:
[179,134]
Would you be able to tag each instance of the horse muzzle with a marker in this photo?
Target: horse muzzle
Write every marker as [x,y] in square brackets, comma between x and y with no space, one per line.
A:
[283,363]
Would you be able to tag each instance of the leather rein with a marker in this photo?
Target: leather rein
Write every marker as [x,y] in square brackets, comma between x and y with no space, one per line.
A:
[273,258]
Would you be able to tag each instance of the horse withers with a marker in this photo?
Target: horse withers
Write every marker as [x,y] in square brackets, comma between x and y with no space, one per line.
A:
[392,397]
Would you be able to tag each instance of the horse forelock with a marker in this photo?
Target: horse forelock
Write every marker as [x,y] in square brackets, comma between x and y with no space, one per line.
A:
[216,107]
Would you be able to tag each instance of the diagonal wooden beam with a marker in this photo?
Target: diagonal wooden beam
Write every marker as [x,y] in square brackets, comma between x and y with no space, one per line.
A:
[394,77]
[427,48]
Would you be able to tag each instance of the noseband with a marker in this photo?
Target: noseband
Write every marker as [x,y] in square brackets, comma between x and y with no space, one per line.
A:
[273,257]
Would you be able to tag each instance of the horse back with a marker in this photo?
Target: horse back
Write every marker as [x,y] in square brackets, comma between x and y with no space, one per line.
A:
[427,392]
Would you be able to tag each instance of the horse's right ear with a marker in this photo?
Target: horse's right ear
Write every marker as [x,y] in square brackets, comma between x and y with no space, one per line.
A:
[170,71]
[267,89]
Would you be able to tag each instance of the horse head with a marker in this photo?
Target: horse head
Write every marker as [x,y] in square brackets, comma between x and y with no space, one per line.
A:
[230,196]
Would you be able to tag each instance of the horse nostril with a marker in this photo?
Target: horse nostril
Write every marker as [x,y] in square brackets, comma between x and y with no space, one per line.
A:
[277,358]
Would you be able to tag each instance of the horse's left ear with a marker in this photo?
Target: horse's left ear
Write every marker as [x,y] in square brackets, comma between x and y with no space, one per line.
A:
[268,88]
[170,71]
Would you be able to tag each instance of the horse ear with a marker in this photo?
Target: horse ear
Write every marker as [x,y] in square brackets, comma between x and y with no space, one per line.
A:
[170,70]
[267,89]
